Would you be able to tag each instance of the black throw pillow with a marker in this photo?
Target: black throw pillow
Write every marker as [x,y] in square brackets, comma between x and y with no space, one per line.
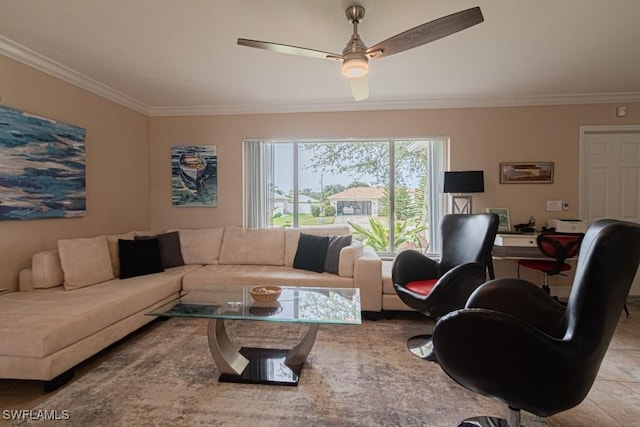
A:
[311,252]
[170,250]
[139,257]
[336,243]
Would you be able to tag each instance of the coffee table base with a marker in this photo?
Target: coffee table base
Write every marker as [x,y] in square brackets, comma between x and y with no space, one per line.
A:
[266,366]
[258,365]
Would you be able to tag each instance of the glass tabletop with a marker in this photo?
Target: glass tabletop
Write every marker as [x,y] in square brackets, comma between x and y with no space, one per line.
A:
[295,304]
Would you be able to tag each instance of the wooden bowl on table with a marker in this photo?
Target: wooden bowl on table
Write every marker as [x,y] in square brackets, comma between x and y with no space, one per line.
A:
[265,293]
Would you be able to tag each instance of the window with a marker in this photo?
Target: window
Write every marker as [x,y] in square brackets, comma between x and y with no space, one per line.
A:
[384,189]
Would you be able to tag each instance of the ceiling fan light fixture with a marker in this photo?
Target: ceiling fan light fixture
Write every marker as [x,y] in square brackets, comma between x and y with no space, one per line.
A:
[355,55]
[355,68]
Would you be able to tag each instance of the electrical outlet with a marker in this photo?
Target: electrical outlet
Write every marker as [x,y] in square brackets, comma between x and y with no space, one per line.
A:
[554,205]
[565,205]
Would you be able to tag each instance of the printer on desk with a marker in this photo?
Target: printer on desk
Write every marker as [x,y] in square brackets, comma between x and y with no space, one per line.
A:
[567,225]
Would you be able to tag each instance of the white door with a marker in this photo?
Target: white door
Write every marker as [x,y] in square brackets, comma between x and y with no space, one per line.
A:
[610,176]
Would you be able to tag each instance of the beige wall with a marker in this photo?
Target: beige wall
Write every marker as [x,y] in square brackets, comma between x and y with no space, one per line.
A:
[481,138]
[129,169]
[116,164]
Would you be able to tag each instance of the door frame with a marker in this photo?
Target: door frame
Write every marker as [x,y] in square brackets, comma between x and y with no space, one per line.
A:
[584,131]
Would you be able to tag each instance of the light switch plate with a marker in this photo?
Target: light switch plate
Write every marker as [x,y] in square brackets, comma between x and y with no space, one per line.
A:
[554,205]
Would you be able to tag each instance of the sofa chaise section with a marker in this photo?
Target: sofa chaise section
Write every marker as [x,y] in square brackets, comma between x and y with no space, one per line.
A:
[46,332]
[49,327]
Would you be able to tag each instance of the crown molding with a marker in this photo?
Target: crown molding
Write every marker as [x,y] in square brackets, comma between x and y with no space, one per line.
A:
[40,62]
[407,104]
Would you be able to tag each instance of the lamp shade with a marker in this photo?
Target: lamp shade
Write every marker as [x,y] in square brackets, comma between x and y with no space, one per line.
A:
[463,182]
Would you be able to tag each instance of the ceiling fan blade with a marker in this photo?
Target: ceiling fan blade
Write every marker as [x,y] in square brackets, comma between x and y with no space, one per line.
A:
[426,33]
[359,88]
[291,50]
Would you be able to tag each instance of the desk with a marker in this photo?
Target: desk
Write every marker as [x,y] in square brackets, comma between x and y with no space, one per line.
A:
[517,246]
[510,248]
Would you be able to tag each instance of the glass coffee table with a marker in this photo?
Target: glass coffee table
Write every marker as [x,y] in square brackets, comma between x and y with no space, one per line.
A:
[312,306]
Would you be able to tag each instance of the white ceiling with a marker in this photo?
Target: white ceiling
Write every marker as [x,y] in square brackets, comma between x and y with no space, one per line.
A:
[181,57]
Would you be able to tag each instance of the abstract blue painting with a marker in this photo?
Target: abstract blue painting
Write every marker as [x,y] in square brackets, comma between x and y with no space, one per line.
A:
[194,175]
[42,167]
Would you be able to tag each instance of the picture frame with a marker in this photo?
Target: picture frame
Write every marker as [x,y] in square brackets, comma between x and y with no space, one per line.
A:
[504,224]
[526,172]
[42,167]
[194,176]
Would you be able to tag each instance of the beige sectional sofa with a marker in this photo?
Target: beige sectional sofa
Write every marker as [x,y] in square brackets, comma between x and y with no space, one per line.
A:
[70,305]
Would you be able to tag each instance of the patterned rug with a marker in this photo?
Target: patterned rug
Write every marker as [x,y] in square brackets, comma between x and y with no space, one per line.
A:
[355,376]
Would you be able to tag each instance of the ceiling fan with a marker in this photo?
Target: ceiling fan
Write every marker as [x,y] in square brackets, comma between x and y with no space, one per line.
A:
[355,56]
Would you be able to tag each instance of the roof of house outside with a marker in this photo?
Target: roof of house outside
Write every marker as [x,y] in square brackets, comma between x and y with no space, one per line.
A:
[306,199]
[356,193]
[278,197]
[360,193]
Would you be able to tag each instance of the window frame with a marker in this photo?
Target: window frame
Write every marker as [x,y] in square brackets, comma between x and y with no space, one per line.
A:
[437,148]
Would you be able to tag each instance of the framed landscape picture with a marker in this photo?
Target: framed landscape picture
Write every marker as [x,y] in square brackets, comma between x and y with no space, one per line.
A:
[526,173]
[503,214]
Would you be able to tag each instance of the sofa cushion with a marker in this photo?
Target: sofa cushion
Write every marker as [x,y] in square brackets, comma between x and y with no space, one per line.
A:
[42,322]
[113,249]
[170,250]
[85,261]
[293,234]
[252,246]
[201,246]
[139,257]
[311,253]
[222,277]
[46,271]
[332,260]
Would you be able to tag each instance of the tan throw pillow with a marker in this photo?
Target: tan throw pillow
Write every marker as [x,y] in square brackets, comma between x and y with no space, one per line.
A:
[85,262]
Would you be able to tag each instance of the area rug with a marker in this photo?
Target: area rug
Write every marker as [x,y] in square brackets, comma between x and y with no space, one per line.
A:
[355,376]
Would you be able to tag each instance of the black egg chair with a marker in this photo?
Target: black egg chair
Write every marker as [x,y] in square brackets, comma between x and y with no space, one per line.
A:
[436,287]
[515,343]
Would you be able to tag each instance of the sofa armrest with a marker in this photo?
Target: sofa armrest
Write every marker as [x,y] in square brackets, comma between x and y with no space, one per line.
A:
[348,256]
[25,280]
[368,277]
[45,272]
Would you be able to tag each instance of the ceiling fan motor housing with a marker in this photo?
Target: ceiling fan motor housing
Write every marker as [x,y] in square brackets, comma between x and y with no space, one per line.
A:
[355,60]
[355,13]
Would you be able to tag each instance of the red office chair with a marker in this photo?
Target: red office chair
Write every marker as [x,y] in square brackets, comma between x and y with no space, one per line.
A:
[558,246]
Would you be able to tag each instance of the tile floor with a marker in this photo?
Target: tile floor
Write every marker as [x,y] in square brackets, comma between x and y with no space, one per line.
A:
[614,399]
